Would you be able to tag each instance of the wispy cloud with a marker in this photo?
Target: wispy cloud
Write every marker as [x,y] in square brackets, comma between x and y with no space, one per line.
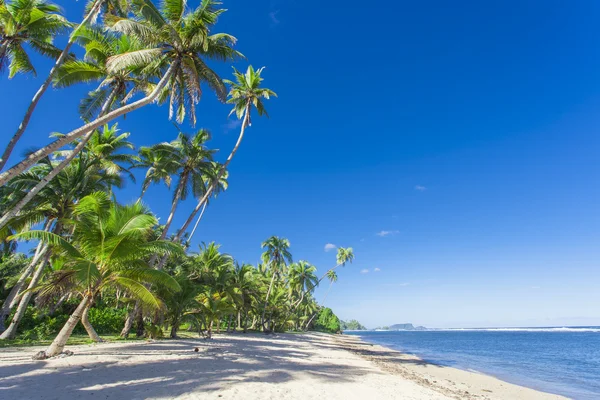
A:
[403,284]
[377,270]
[420,188]
[536,287]
[232,124]
[273,16]
[386,233]
[330,246]
[364,271]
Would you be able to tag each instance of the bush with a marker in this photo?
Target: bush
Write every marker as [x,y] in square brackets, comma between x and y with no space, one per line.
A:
[107,320]
[327,321]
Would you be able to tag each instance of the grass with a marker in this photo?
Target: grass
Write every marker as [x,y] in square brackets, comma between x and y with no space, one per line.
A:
[73,340]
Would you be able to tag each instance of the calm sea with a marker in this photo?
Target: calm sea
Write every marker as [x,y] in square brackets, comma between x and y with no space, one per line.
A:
[564,361]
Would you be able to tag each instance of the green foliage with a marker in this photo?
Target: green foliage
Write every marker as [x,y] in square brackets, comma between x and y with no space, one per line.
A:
[107,320]
[352,325]
[327,321]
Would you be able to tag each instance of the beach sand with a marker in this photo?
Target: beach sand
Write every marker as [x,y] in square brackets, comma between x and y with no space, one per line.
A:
[243,366]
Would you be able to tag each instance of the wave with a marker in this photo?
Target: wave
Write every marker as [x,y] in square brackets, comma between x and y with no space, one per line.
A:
[551,329]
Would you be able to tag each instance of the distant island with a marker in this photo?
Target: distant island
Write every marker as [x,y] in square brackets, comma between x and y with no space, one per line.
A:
[401,327]
[352,325]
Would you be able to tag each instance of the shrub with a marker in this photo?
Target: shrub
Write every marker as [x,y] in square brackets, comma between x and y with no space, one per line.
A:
[327,321]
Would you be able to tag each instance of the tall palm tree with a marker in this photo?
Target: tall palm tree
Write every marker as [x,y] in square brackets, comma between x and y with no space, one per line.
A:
[160,166]
[302,279]
[109,246]
[53,204]
[34,23]
[177,45]
[115,87]
[275,257]
[332,276]
[245,94]
[194,160]
[91,12]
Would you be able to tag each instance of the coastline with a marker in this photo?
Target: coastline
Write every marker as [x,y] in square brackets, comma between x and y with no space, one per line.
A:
[452,382]
[251,366]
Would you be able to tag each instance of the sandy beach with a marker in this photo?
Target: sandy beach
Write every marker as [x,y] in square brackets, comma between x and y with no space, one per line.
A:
[251,366]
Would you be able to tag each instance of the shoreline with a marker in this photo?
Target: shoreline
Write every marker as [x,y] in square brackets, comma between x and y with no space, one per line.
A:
[451,381]
[248,366]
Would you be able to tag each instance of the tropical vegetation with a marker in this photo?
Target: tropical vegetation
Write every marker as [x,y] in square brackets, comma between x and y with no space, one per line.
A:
[77,259]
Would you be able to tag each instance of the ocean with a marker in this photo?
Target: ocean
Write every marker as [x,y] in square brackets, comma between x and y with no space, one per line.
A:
[563,361]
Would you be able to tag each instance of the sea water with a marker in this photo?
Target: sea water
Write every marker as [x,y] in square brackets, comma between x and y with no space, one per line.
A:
[564,360]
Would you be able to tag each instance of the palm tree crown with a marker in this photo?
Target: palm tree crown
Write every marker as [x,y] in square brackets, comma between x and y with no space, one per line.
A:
[31,22]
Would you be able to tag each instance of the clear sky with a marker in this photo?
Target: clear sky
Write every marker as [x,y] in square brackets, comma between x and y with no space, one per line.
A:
[454,145]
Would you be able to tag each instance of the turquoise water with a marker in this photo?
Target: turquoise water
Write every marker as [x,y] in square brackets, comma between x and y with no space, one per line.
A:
[564,361]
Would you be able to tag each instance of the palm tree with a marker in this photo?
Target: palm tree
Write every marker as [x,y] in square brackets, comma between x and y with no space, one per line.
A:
[54,205]
[115,87]
[244,94]
[275,257]
[28,22]
[91,12]
[177,44]
[161,166]
[216,185]
[332,276]
[107,147]
[302,279]
[194,164]
[109,246]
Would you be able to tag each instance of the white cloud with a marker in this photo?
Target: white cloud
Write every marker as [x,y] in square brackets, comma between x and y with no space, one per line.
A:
[535,287]
[232,124]
[364,271]
[386,233]
[403,284]
[377,270]
[273,17]
[330,246]
[420,188]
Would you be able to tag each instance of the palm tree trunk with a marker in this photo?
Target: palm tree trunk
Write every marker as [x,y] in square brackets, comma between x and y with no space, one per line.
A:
[13,297]
[204,199]
[88,327]
[310,320]
[140,328]
[129,321]
[262,319]
[60,341]
[81,131]
[38,95]
[198,221]
[59,303]
[11,331]
[56,170]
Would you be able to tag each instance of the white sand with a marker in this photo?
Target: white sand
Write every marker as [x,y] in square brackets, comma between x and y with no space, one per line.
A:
[240,367]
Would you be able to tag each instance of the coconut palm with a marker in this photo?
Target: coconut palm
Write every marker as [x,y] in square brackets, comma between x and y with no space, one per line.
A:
[332,276]
[115,87]
[54,205]
[91,12]
[275,257]
[109,246]
[194,160]
[245,93]
[302,278]
[178,43]
[161,165]
[34,23]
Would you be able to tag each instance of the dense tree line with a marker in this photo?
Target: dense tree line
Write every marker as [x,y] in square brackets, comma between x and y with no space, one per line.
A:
[99,264]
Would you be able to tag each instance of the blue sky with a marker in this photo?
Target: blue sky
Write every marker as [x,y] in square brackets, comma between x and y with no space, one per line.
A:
[453,146]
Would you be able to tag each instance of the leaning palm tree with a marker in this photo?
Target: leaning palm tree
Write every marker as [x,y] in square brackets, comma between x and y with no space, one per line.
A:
[275,257]
[302,279]
[160,167]
[91,12]
[245,94]
[109,246]
[53,207]
[178,43]
[28,22]
[332,276]
[115,87]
